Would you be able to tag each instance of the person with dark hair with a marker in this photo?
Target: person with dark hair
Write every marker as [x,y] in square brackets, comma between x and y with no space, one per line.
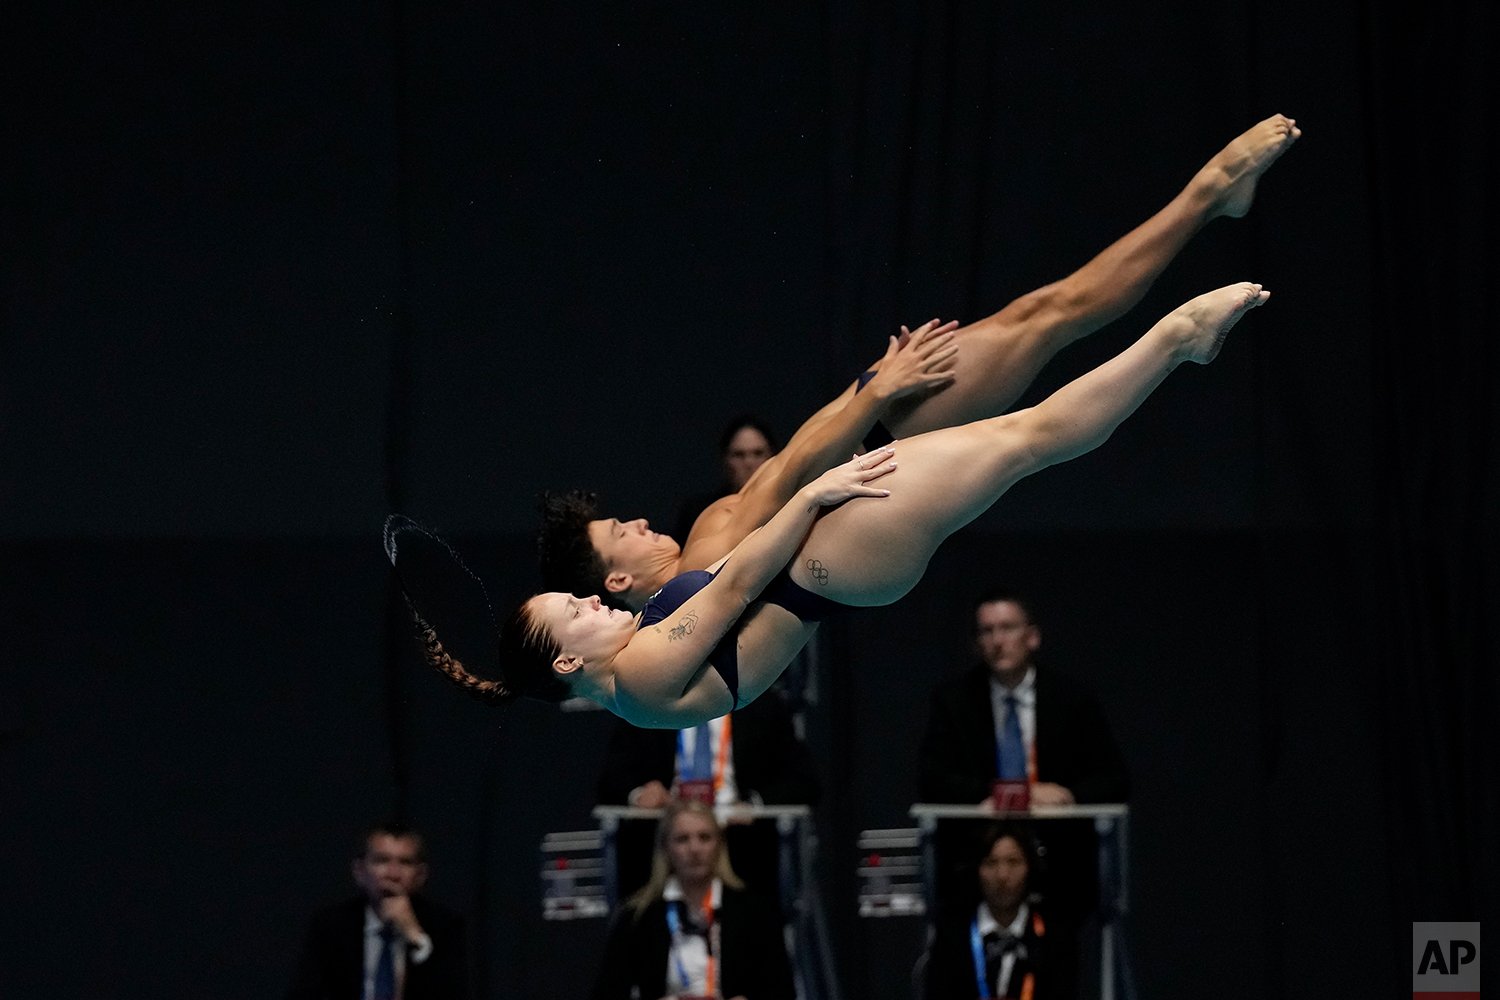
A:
[694,930]
[1062,742]
[390,941]
[1007,718]
[573,539]
[745,444]
[859,535]
[998,943]
[939,379]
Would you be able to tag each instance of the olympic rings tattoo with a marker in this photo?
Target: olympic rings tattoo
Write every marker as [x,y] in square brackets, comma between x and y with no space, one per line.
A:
[819,571]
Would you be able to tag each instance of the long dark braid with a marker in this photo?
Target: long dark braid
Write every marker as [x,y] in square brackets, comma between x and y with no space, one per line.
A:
[445,580]
[451,667]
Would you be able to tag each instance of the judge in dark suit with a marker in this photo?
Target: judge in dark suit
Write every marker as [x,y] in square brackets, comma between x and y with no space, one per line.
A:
[1007,717]
[763,762]
[389,943]
[693,930]
[1066,749]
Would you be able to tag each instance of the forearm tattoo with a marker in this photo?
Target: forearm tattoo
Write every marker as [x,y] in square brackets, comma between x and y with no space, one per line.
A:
[818,570]
[684,627]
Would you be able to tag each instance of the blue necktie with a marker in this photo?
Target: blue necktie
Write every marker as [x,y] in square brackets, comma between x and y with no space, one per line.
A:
[702,767]
[1012,748]
[384,987]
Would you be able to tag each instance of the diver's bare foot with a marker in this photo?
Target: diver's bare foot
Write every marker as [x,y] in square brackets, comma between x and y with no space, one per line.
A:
[1234,172]
[1201,324]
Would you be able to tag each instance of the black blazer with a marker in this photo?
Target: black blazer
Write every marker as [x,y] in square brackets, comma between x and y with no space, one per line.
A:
[331,965]
[1074,746]
[753,954]
[950,962]
[769,760]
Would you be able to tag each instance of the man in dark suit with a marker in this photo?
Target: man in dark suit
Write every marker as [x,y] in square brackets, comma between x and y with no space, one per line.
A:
[1006,717]
[389,943]
[764,763]
[1069,754]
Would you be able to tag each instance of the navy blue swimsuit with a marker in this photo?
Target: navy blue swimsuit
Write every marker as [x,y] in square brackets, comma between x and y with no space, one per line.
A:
[725,658]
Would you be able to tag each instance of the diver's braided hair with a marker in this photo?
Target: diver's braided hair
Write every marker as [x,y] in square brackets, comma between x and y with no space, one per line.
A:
[524,652]
[451,667]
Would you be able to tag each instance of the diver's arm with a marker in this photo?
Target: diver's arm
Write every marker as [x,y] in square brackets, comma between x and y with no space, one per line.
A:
[923,364]
[657,667]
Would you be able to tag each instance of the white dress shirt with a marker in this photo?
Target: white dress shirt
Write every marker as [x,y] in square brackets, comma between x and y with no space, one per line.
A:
[689,952]
[727,793]
[1017,929]
[417,953]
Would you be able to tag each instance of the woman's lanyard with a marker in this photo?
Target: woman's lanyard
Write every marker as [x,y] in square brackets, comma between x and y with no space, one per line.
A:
[976,945]
[721,755]
[674,927]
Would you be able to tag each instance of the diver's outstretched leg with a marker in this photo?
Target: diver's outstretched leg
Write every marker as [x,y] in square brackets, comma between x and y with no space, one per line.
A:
[1000,355]
[873,552]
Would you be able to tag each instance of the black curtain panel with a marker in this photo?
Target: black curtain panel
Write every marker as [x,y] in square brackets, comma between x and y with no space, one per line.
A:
[1433,590]
[271,274]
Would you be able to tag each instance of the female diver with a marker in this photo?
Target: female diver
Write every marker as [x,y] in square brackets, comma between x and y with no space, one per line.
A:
[941,378]
[859,535]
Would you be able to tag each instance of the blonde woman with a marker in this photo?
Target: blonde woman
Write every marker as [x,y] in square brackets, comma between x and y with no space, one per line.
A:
[693,930]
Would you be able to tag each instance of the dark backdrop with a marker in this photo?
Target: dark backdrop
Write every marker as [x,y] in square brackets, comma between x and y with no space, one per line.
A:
[271,272]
